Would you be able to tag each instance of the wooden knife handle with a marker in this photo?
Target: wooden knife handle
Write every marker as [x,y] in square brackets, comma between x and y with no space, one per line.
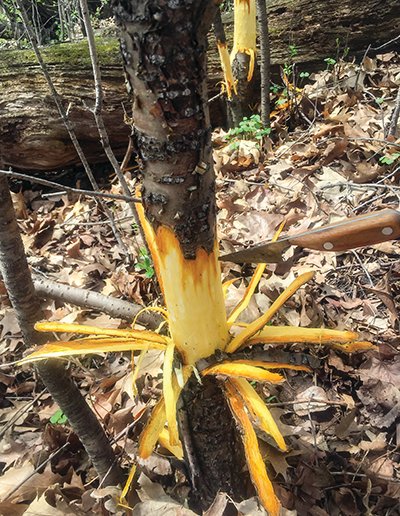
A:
[359,231]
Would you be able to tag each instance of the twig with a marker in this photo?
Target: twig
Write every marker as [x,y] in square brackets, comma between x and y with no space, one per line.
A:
[394,119]
[128,154]
[395,171]
[19,412]
[360,67]
[379,140]
[97,111]
[67,122]
[359,186]
[37,469]
[265,62]
[298,402]
[215,97]
[90,224]
[355,254]
[126,310]
[51,184]
[387,43]
[369,201]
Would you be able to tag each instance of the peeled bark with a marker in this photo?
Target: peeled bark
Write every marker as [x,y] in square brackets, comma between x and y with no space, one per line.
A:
[33,136]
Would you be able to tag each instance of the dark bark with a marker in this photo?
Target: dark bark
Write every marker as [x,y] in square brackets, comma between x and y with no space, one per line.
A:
[219,30]
[265,62]
[213,447]
[164,52]
[242,104]
[16,276]
[164,47]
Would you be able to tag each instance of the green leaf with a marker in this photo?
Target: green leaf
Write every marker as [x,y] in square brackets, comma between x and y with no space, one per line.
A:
[330,61]
[58,418]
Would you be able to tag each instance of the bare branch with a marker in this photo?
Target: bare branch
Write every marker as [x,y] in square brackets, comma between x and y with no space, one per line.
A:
[265,62]
[97,112]
[66,121]
[51,184]
[394,119]
[126,310]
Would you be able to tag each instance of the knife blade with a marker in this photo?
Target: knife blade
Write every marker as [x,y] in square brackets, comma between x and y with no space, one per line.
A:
[359,231]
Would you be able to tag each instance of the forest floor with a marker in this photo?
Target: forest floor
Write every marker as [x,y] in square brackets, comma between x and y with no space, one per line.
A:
[330,158]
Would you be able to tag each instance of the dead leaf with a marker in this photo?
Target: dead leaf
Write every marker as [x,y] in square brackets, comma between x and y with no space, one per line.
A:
[304,403]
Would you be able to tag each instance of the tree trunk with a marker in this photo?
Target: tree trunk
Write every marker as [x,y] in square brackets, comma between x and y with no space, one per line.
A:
[164,51]
[17,279]
[33,136]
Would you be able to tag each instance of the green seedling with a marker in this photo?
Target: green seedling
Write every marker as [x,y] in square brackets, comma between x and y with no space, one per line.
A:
[145,263]
[58,418]
[249,129]
[389,159]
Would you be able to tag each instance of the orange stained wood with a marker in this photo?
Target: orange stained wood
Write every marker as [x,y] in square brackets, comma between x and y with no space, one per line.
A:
[255,462]
[273,365]
[258,410]
[154,426]
[85,329]
[193,296]
[192,292]
[88,346]
[245,2]
[251,372]
[291,334]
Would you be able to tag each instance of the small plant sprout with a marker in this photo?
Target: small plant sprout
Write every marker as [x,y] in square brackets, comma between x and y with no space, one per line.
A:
[330,61]
[145,263]
[58,418]
[249,128]
[389,159]
[293,51]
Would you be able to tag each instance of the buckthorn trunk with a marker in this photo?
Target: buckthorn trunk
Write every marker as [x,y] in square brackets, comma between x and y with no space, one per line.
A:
[164,50]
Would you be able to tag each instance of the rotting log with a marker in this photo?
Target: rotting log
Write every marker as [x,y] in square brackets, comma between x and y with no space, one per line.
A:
[33,136]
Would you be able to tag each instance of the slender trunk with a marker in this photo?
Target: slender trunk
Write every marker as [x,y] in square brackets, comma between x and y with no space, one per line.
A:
[17,279]
[243,59]
[164,53]
[98,115]
[265,62]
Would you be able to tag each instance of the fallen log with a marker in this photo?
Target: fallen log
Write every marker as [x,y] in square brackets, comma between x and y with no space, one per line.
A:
[33,137]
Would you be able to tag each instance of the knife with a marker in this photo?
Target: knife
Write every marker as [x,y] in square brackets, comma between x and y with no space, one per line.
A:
[358,231]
